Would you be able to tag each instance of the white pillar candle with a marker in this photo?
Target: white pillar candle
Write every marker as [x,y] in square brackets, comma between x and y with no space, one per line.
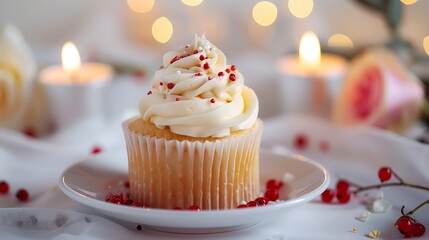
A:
[73,91]
[308,81]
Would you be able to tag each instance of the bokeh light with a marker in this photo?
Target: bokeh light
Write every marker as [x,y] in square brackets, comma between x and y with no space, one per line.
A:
[264,13]
[340,40]
[162,30]
[426,44]
[309,51]
[408,2]
[300,8]
[141,6]
[192,3]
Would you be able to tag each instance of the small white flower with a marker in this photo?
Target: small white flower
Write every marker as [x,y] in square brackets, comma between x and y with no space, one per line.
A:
[363,217]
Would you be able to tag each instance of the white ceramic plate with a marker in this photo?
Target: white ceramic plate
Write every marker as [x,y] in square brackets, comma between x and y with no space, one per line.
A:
[88,182]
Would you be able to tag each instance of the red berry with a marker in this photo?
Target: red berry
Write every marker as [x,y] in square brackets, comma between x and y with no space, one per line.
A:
[328,195]
[300,141]
[343,197]
[418,229]
[404,224]
[385,173]
[194,208]
[96,150]
[242,206]
[272,183]
[271,194]
[170,85]
[232,77]
[22,195]
[261,201]
[4,187]
[252,204]
[343,186]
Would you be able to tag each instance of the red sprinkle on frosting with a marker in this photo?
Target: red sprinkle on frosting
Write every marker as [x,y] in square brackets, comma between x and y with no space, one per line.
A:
[170,85]
[232,77]
[206,66]
[202,58]
[212,100]
[174,59]
[149,93]
[220,74]
[233,67]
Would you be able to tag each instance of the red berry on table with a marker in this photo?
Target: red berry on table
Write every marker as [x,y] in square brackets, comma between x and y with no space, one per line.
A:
[22,195]
[300,141]
[418,229]
[328,195]
[343,197]
[342,186]
[96,150]
[194,208]
[4,187]
[271,194]
[404,224]
[261,201]
[385,173]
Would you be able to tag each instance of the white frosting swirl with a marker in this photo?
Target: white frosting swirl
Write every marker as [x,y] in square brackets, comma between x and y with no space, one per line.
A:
[17,71]
[197,94]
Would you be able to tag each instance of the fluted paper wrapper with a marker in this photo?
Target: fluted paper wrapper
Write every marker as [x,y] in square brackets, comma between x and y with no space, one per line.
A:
[210,174]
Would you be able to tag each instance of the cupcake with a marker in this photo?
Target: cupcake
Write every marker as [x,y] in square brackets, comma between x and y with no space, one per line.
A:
[197,139]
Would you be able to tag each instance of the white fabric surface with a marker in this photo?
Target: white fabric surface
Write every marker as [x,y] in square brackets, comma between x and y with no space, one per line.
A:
[355,154]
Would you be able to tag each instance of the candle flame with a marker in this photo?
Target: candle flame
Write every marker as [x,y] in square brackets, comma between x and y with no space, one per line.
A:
[309,51]
[70,58]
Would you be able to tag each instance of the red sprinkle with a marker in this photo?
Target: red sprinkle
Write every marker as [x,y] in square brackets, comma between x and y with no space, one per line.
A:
[232,77]
[220,74]
[206,66]
[174,59]
[170,85]
[227,70]
[209,78]
[301,141]
[96,150]
[195,51]
[212,100]
[149,93]
[177,99]
[161,83]
[198,74]
[202,57]
[22,195]
[233,67]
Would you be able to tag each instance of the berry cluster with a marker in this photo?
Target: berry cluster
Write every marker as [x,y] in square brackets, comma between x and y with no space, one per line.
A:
[271,194]
[405,224]
[409,227]
[21,194]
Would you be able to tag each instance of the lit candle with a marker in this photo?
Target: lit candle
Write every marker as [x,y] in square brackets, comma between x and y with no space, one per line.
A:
[73,91]
[310,79]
